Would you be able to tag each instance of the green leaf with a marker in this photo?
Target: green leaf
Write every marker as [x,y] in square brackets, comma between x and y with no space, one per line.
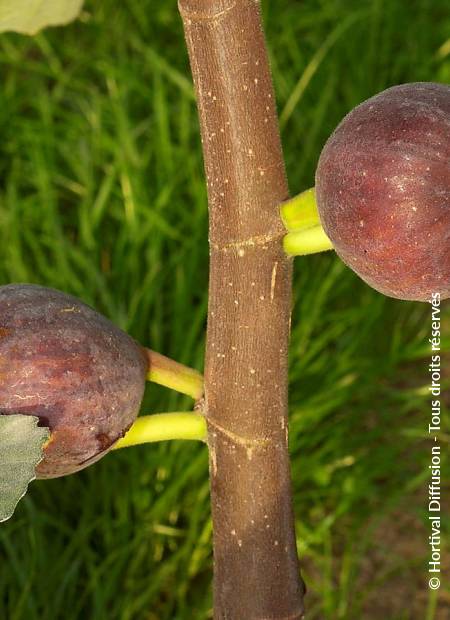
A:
[29,16]
[21,449]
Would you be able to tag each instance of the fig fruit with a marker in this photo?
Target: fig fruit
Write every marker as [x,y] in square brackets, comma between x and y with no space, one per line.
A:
[383,190]
[78,373]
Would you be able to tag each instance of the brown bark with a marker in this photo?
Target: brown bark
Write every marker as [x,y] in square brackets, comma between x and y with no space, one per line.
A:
[256,571]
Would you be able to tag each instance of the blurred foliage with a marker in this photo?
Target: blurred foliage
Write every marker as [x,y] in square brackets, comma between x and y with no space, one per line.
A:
[29,16]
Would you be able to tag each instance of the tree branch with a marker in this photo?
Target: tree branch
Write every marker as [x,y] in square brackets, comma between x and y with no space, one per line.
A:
[256,572]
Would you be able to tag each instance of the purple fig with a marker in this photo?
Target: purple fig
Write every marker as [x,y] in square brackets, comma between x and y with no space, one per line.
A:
[78,373]
[383,190]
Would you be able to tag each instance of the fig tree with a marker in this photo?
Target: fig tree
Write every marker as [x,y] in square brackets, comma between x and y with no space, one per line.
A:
[383,190]
[78,373]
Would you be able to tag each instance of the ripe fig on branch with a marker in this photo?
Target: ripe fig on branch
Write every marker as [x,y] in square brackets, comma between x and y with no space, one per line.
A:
[383,190]
[78,373]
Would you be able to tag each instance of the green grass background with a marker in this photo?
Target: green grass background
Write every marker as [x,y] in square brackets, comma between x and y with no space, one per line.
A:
[102,195]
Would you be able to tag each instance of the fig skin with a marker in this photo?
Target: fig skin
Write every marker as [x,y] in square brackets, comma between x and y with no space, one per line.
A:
[383,190]
[81,375]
